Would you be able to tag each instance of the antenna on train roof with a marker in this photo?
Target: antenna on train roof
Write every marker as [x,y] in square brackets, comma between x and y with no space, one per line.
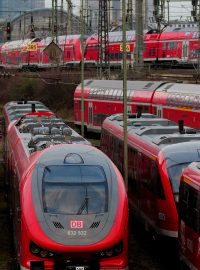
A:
[181,126]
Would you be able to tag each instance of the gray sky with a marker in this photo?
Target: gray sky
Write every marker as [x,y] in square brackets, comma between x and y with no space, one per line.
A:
[176,9]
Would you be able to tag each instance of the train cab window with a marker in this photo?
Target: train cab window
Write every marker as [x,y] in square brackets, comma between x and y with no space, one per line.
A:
[75,190]
[189,205]
[175,172]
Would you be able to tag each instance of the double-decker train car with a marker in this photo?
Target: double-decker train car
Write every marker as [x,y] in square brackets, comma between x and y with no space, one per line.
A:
[102,98]
[105,97]
[179,46]
[20,54]
[189,218]
[31,53]
[176,101]
[68,200]
[157,152]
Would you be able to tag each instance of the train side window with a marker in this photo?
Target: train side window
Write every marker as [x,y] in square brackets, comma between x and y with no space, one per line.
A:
[145,108]
[172,100]
[186,103]
[181,101]
[156,183]
[195,104]
[168,101]
[134,175]
[191,102]
[164,46]
[177,101]
[151,178]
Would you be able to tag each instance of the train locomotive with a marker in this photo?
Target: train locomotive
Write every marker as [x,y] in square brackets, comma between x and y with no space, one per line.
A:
[68,200]
[158,151]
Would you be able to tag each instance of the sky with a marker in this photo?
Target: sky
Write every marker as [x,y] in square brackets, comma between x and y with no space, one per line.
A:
[176,9]
[76,4]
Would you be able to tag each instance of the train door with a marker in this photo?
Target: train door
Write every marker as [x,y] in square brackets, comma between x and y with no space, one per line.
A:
[90,114]
[159,111]
[185,50]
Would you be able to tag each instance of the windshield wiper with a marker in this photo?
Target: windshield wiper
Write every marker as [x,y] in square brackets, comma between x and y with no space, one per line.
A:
[84,205]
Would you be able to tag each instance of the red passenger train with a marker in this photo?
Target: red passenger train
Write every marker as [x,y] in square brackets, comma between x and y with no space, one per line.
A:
[69,202]
[189,224]
[102,98]
[157,152]
[178,46]
[31,53]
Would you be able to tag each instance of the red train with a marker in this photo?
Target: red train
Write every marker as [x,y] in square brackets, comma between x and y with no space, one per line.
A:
[102,98]
[179,46]
[68,200]
[157,152]
[189,225]
[31,53]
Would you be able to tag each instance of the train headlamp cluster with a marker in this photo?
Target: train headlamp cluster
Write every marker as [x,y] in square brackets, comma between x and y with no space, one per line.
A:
[111,252]
[40,252]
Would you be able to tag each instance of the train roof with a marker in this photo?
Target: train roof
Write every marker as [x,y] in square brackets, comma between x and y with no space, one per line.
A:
[38,133]
[118,84]
[61,39]
[179,88]
[161,133]
[16,109]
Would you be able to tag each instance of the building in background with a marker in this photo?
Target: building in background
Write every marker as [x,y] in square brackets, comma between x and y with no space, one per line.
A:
[10,8]
[42,21]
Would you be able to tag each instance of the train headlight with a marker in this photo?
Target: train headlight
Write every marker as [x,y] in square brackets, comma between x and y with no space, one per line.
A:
[40,252]
[44,253]
[34,249]
[111,252]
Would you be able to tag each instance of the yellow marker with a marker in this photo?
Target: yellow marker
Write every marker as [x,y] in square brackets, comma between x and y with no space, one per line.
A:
[32,47]
[128,49]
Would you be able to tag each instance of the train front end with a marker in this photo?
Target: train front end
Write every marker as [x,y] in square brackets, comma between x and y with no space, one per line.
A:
[74,212]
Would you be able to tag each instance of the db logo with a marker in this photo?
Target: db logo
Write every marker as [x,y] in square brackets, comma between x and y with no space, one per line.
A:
[76,224]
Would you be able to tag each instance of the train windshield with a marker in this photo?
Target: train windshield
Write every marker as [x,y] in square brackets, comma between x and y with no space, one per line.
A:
[175,172]
[75,190]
